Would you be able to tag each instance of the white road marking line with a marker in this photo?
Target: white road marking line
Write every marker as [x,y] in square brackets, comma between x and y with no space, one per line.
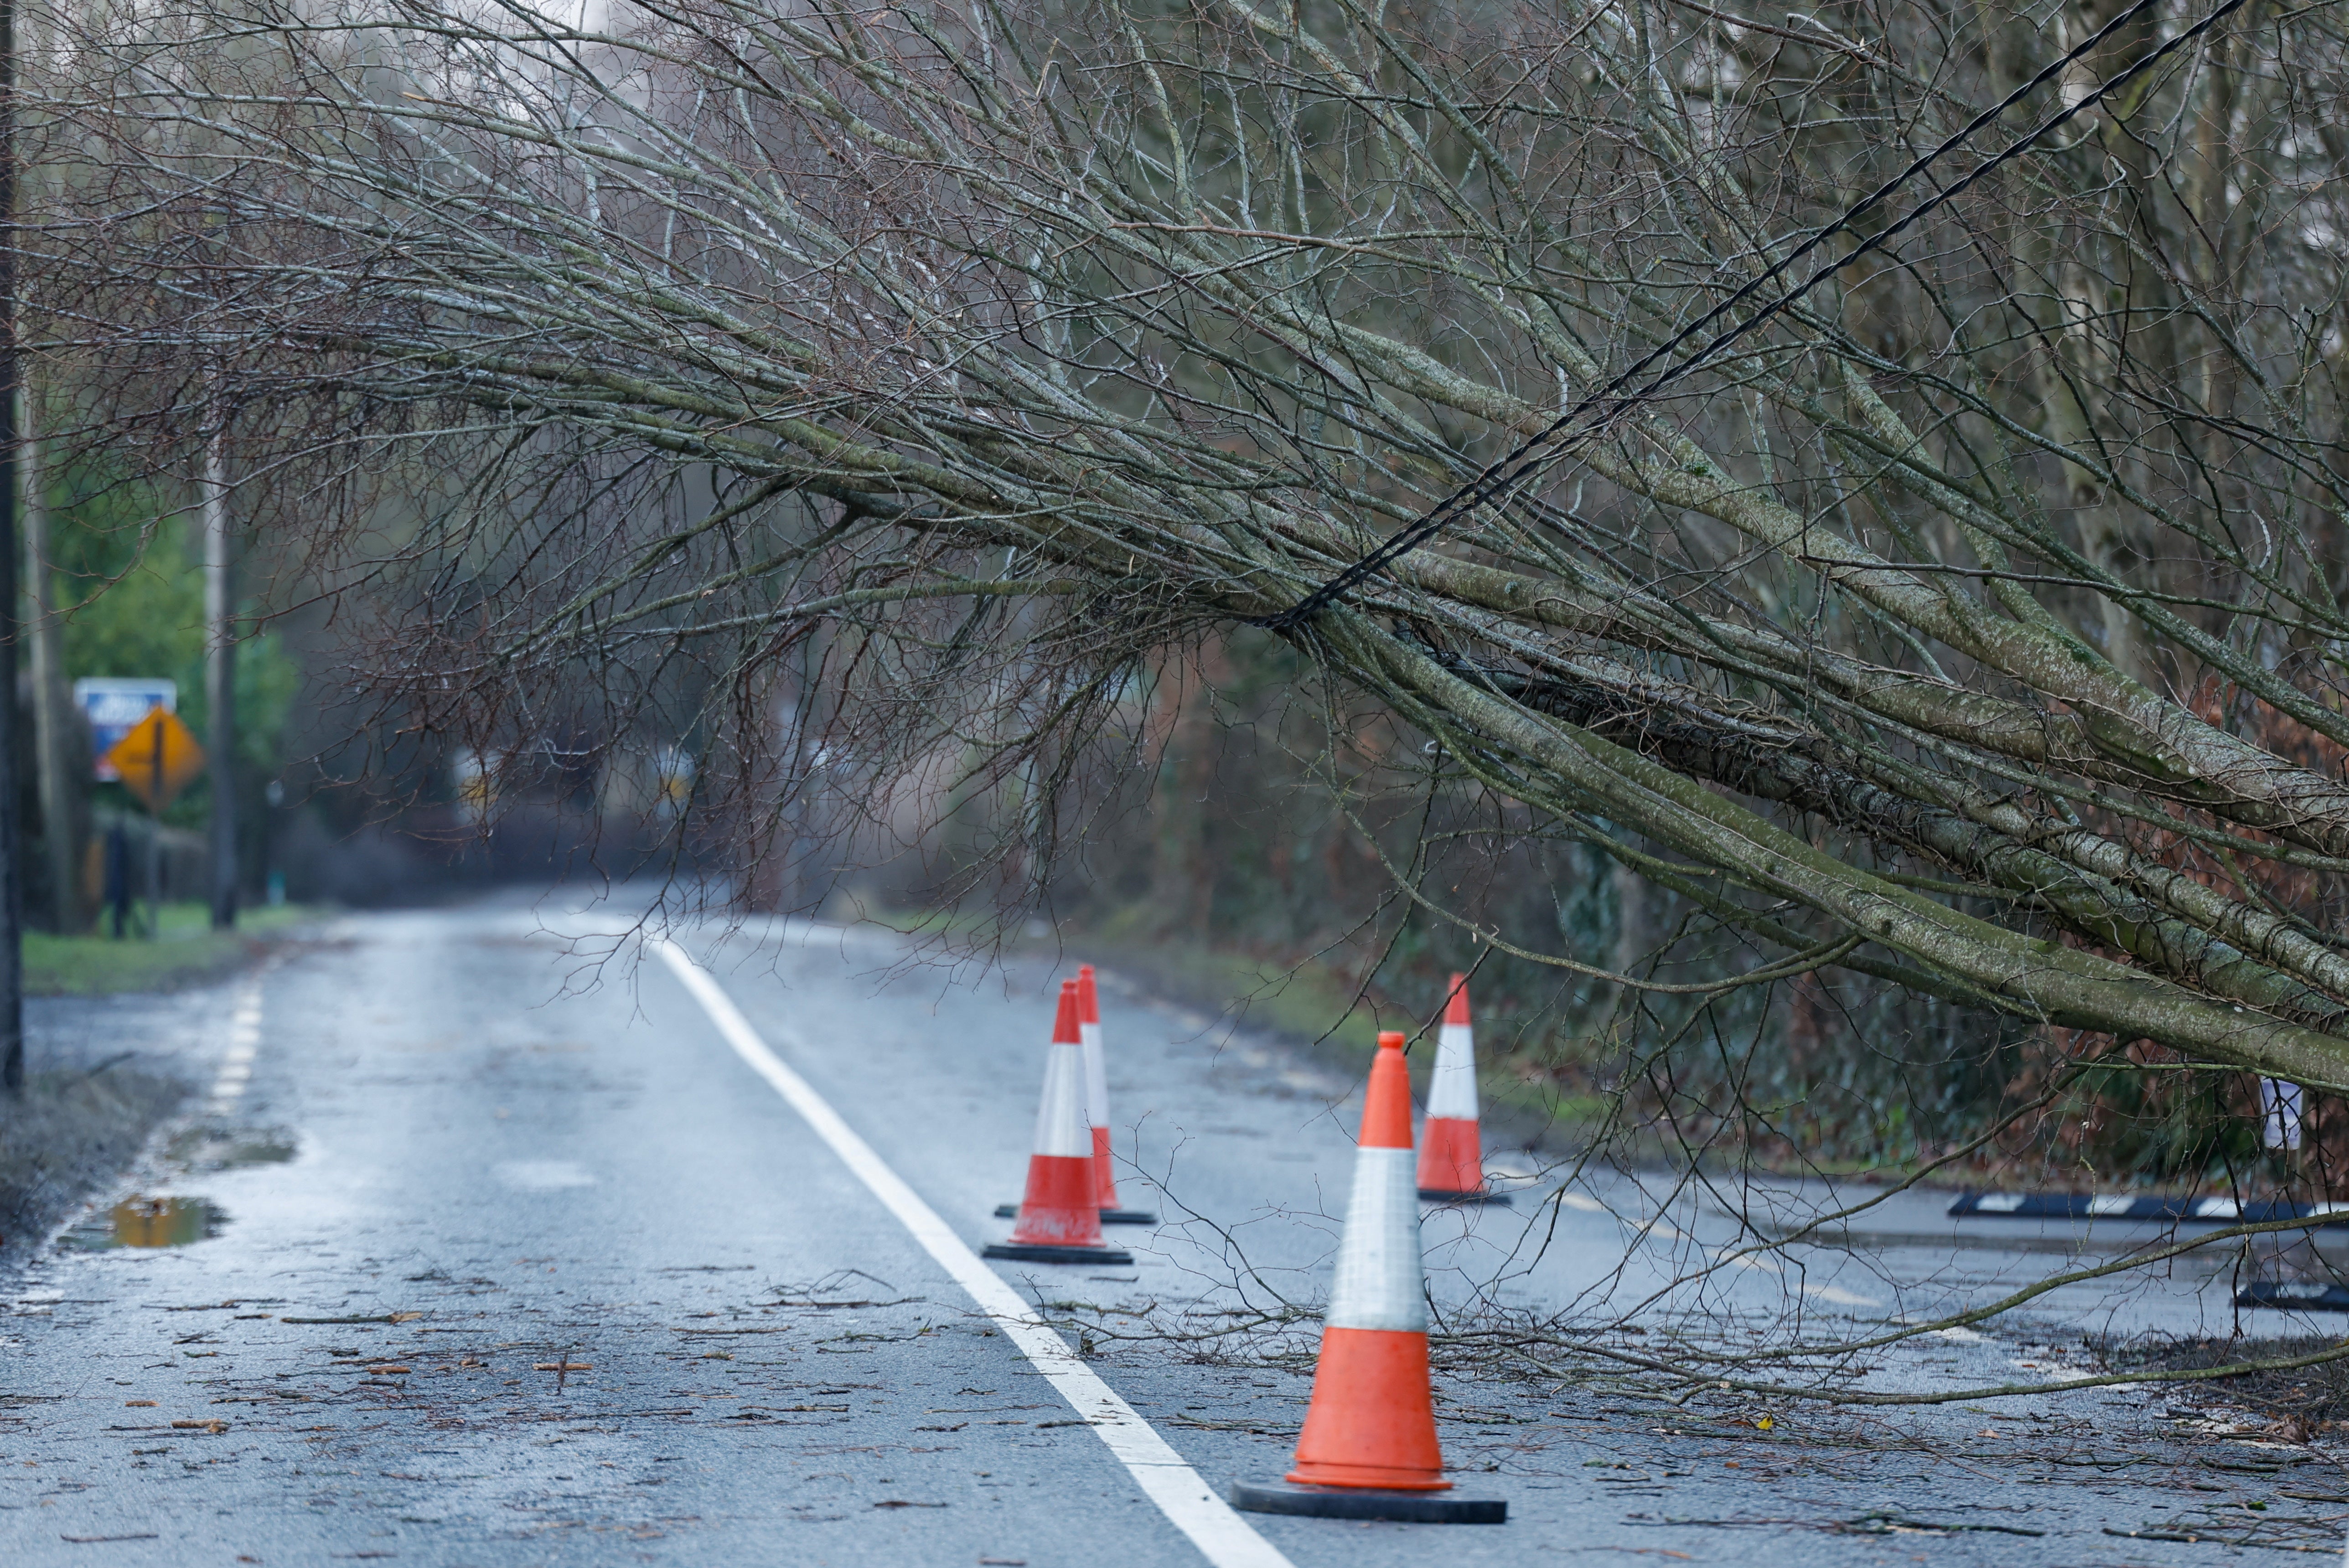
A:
[1222,1536]
[243,1044]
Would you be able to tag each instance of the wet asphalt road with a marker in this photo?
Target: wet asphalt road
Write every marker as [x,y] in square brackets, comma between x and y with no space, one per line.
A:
[551,1277]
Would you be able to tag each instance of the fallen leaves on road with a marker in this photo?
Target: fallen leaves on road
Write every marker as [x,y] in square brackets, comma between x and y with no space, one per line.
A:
[215,1426]
[901,1502]
[138,1404]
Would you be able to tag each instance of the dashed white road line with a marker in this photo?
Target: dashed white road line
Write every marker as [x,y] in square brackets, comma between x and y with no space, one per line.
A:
[1222,1536]
[243,1044]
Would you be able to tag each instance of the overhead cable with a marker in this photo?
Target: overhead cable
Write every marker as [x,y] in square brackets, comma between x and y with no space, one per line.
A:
[1599,411]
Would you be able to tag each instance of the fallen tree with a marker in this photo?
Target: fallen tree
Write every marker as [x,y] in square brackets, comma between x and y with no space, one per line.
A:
[868,393]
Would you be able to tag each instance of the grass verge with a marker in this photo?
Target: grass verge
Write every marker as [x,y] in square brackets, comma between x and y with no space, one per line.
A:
[1314,1007]
[185,951]
[1311,1006]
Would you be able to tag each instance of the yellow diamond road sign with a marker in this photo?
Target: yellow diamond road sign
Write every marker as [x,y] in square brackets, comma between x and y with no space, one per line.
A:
[158,758]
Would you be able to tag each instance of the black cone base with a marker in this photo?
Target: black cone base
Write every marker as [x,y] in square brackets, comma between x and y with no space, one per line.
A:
[1028,1252]
[1363,1502]
[1437,1195]
[1108,1216]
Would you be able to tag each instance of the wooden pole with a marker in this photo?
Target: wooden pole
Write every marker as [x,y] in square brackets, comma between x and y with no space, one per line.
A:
[155,833]
[12,408]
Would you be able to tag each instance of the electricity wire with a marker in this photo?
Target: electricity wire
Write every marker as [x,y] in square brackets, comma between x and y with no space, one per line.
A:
[1607,406]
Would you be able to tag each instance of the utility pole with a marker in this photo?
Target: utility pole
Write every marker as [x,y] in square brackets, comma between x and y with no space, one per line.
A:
[60,755]
[12,429]
[220,674]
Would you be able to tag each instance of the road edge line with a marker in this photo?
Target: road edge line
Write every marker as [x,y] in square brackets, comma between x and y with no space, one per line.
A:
[1192,1506]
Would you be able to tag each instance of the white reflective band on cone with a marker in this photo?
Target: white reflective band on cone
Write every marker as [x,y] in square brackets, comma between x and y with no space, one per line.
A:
[1096,1077]
[1452,1092]
[1060,1125]
[1380,1282]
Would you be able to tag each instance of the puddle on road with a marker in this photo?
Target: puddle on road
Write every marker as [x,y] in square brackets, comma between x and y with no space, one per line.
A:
[215,1149]
[141,1222]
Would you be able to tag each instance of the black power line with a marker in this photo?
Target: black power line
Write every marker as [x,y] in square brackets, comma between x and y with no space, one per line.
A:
[1596,412]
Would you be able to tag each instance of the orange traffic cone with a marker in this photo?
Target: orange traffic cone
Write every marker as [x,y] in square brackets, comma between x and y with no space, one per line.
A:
[1059,1223]
[1096,1112]
[1097,1105]
[1452,1161]
[1369,1449]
